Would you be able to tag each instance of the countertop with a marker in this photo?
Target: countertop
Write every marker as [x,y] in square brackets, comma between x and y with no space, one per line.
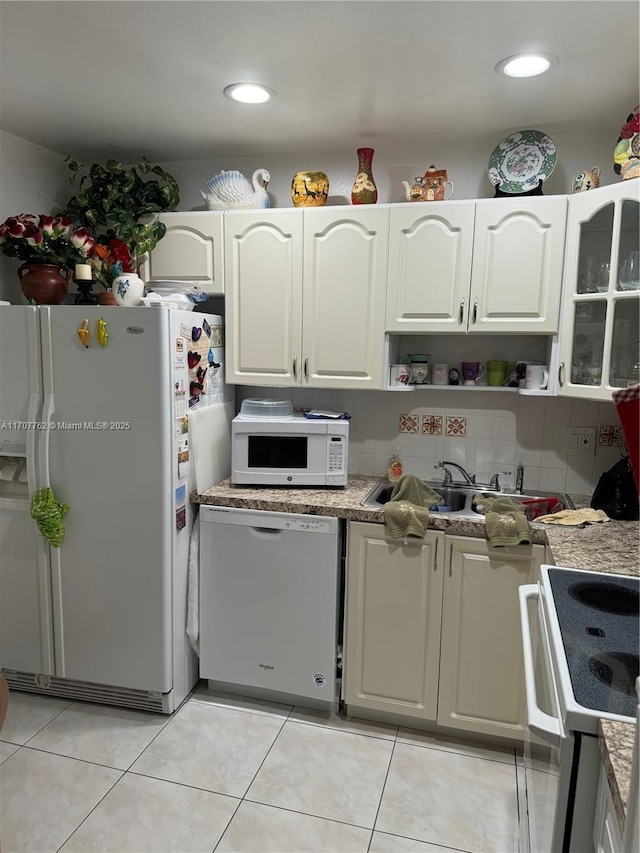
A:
[616,748]
[606,547]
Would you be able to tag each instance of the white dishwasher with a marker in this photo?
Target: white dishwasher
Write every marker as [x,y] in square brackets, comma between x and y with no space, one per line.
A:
[269,598]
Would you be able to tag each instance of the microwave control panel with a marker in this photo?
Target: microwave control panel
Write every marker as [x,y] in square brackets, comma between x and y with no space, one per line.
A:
[336,452]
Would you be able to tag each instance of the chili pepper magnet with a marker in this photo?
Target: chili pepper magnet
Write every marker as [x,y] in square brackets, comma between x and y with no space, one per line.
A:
[101,332]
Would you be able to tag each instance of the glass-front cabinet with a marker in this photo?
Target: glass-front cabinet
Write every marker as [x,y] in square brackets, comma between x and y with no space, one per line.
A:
[600,331]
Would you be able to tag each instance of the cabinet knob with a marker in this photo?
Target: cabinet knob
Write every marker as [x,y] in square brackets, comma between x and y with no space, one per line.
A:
[475,309]
[461,315]
[306,368]
[295,367]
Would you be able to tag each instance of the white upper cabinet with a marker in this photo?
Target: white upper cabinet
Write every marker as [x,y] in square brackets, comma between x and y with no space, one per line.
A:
[600,333]
[516,276]
[305,297]
[343,304]
[479,267]
[430,250]
[191,250]
[263,305]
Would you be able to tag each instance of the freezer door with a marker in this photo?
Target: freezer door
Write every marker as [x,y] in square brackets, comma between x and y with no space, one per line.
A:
[109,458]
[26,639]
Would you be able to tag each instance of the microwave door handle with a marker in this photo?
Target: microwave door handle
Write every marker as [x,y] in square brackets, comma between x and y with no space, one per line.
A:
[540,723]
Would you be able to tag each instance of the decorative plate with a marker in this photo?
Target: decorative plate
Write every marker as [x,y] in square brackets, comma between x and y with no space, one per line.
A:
[521,160]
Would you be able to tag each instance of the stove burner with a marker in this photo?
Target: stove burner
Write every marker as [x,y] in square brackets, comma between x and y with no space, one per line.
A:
[607,596]
[617,670]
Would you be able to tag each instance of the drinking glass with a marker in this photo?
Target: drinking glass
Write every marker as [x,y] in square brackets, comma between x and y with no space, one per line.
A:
[603,276]
[629,278]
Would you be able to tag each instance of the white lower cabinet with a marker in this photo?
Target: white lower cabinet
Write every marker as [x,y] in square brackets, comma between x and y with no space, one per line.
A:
[394,601]
[432,629]
[481,686]
[606,832]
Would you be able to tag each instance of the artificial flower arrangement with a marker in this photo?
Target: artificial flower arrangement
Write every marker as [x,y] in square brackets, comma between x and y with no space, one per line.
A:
[45,240]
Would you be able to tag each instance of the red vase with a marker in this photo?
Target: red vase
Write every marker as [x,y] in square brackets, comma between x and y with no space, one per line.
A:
[364,189]
[44,284]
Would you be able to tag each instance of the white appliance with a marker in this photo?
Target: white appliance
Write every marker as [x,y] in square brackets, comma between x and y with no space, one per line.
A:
[269,593]
[291,450]
[581,642]
[103,616]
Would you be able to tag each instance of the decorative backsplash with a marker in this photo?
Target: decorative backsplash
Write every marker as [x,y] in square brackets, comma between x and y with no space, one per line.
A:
[485,432]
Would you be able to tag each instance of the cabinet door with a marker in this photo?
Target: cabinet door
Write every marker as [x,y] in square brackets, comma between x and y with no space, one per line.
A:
[430,248]
[263,306]
[394,600]
[345,274]
[26,637]
[481,667]
[600,326]
[191,250]
[516,275]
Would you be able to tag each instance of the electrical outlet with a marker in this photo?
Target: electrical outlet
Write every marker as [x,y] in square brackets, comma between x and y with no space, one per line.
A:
[579,441]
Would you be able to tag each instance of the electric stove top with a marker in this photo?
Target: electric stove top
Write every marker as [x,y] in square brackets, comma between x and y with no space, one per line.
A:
[599,620]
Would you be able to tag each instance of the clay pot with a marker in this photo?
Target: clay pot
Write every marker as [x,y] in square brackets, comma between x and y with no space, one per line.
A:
[107,298]
[44,284]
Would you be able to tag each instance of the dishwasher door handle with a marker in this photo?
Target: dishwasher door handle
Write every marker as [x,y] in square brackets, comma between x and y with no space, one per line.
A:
[269,531]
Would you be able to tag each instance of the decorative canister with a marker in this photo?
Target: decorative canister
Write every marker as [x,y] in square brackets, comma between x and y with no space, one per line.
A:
[364,190]
[309,189]
[128,289]
[44,284]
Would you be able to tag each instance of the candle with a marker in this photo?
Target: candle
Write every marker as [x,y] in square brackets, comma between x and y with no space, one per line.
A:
[83,272]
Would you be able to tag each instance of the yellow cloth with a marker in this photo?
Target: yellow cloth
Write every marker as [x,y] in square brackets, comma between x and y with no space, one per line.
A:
[575,516]
[407,511]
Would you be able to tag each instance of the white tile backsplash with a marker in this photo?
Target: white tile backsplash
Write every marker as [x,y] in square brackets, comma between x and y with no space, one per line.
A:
[501,428]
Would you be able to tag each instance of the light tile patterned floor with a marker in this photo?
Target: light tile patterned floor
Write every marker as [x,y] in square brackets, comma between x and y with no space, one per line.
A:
[234,775]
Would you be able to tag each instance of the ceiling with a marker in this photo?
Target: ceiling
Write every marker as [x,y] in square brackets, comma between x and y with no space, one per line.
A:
[117,79]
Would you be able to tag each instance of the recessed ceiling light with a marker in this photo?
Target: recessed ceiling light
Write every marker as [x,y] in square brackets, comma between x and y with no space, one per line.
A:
[526,64]
[249,93]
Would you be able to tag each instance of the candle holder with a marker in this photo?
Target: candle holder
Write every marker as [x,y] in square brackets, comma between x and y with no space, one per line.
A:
[84,295]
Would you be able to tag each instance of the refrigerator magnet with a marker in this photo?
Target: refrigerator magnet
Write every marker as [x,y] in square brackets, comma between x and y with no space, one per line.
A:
[183,457]
[181,507]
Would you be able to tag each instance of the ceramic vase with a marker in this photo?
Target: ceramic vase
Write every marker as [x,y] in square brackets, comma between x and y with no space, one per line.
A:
[44,284]
[364,190]
[309,189]
[128,289]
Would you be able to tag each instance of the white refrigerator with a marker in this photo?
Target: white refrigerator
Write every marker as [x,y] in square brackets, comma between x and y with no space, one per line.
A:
[105,425]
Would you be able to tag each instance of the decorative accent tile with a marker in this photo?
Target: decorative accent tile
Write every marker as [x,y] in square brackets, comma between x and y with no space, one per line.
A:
[456,426]
[432,424]
[610,436]
[410,423]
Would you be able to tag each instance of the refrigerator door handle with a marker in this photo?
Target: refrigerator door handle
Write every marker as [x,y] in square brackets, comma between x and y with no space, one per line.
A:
[47,414]
[32,451]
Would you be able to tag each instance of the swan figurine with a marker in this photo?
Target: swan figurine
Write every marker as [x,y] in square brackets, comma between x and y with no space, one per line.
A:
[232,191]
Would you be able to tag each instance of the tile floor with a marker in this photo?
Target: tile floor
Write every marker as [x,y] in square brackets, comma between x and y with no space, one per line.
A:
[231,774]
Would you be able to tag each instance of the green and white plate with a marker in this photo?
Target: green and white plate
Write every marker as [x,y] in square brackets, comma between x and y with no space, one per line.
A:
[521,160]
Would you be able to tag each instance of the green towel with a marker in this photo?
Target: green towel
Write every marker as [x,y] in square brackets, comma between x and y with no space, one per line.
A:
[407,512]
[505,519]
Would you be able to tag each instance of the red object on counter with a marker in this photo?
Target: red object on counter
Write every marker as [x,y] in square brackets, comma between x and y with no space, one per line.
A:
[627,403]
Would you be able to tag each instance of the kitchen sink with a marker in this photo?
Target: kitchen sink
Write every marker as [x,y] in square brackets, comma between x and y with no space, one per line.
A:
[458,499]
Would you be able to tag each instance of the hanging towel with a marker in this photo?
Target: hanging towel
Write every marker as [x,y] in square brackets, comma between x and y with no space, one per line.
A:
[193,585]
[407,511]
[505,519]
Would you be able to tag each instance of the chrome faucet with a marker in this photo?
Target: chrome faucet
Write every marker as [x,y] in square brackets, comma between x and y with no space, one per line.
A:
[470,479]
[495,480]
[519,477]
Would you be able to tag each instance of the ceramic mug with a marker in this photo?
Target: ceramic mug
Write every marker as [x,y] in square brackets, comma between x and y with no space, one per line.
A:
[497,372]
[399,374]
[419,373]
[521,371]
[472,371]
[440,374]
[536,377]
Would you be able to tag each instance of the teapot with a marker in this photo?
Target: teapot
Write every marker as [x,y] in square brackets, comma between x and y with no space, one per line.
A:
[431,187]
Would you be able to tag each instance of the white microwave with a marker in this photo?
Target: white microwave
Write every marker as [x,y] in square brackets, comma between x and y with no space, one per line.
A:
[289,451]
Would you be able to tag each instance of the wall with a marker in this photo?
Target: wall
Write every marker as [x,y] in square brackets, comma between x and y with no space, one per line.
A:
[33,179]
[465,159]
[494,430]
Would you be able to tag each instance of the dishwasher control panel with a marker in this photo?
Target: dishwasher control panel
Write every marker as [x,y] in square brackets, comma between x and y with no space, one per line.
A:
[320,525]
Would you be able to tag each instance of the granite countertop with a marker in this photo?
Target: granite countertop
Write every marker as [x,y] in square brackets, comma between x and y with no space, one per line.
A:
[605,547]
[616,748]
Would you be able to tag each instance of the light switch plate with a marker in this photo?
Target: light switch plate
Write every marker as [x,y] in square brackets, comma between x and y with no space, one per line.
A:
[579,441]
